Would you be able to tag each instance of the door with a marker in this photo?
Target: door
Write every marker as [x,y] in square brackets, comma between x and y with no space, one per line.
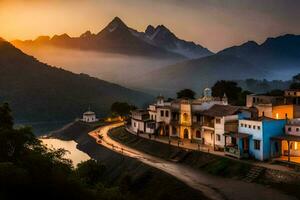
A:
[186,134]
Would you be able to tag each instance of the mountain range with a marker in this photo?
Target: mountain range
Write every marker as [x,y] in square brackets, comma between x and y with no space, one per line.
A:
[117,37]
[276,58]
[39,92]
[195,66]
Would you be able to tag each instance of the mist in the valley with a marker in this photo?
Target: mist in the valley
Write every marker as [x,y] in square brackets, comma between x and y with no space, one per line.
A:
[116,68]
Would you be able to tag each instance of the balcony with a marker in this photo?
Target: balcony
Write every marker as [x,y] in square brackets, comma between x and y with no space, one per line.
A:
[235,152]
[208,124]
[231,127]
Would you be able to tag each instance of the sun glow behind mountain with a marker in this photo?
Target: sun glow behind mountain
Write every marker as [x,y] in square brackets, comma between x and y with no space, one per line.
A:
[213,23]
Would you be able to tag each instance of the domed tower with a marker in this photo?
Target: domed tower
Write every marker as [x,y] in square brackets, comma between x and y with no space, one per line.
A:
[225,99]
[160,100]
[207,94]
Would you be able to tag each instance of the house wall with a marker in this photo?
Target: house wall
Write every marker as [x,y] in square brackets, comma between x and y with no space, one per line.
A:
[270,129]
[255,133]
[280,112]
[292,130]
[137,125]
[264,110]
[164,118]
[220,129]
[89,118]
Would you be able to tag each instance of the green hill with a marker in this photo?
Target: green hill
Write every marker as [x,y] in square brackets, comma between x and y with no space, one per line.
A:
[39,92]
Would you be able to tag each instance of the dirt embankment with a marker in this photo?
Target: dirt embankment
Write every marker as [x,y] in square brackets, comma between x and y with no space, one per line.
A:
[144,182]
[221,166]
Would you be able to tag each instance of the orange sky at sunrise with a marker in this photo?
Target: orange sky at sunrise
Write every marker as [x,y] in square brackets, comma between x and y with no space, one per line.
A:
[214,24]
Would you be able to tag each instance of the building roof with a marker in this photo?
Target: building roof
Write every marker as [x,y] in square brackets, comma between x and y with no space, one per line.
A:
[221,110]
[287,137]
[89,113]
[140,111]
[237,135]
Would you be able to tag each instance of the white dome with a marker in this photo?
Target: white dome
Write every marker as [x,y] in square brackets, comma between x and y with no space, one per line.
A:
[89,113]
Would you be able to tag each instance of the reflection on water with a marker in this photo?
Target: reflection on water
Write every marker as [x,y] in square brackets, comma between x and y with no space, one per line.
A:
[75,155]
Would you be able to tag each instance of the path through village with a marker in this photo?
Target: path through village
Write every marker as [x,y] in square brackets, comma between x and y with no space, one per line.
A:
[216,188]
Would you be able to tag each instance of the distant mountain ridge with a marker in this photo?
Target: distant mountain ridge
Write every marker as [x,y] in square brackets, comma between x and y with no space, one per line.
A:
[117,37]
[275,59]
[282,51]
[39,92]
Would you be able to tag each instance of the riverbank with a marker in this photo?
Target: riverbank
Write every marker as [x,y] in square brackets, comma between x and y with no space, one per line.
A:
[144,182]
[287,182]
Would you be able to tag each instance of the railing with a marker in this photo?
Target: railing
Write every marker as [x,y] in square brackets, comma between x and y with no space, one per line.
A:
[235,152]
[208,124]
[232,151]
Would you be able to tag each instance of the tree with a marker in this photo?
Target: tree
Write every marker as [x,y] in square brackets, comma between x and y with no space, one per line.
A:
[230,88]
[276,92]
[6,120]
[295,82]
[186,94]
[90,172]
[121,108]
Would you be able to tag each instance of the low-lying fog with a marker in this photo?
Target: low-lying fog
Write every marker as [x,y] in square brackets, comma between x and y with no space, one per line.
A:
[117,68]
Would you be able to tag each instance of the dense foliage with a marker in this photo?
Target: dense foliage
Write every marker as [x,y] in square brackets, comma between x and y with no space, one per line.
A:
[29,170]
[296,82]
[234,93]
[186,94]
[121,108]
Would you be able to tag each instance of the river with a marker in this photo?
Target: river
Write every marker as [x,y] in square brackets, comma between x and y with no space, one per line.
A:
[74,154]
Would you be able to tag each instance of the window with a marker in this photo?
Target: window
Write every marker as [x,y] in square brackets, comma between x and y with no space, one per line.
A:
[258,127]
[161,113]
[185,117]
[174,130]
[297,129]
[289,129]
[134,124]
[167,113]
[256,144]
[218,137]
[242,125]
[218,121]
[254,127]
[198,134]
[249,126]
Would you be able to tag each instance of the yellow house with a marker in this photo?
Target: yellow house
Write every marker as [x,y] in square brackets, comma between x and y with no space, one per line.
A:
[285,111]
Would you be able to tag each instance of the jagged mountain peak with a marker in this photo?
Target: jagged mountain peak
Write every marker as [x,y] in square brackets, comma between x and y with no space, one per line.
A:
[86,34]
[149,30]
[116,23]
[42,38]
[250,43]
[62,36]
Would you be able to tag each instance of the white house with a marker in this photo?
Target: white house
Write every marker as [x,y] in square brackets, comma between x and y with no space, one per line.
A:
[89,117]
[141,123]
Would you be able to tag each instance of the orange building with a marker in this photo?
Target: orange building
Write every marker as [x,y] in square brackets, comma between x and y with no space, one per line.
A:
[285,111]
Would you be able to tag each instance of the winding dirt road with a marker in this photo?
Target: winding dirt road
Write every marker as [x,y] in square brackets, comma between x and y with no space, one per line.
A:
[213,187]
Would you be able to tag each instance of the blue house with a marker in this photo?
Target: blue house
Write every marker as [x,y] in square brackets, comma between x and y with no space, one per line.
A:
[252,138]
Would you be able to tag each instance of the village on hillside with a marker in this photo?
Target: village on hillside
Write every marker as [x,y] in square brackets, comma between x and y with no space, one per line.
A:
[266,128]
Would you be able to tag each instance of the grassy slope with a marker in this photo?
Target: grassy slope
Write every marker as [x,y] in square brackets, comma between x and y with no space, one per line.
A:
[211,163]
[216,165]
[146,182]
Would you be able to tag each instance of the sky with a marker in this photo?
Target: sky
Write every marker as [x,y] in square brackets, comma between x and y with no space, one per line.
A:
[215,24]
